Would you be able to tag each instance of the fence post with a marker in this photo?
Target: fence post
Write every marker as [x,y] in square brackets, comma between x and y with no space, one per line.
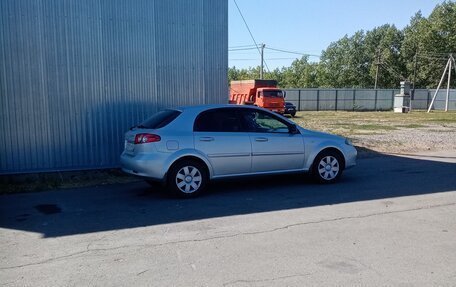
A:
[392,99]
[336,100]
[318,100]
[299,100]
[375,102]
[428,98]
[354,97]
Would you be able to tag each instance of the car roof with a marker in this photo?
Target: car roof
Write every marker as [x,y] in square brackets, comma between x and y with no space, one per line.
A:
[193,111]
[199,108]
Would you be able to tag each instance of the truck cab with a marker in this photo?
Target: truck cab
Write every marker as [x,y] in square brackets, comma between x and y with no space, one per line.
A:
[271,99]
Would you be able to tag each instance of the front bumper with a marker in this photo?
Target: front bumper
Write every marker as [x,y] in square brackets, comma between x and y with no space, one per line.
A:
[350,157]
[279,111]
[290,111]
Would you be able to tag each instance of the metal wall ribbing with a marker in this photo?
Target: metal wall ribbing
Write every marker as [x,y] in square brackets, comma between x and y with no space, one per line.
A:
[76,74]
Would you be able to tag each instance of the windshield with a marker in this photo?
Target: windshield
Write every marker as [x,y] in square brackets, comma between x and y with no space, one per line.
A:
[272,93]
[159,120]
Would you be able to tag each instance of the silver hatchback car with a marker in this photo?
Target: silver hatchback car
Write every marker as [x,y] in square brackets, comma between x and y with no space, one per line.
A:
[185,148]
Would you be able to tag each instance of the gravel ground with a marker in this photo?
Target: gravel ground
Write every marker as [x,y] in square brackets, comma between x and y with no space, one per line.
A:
[409,140]
[387,131]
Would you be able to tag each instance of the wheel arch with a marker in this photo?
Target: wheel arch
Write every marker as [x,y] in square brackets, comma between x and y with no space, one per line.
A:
[189,156]
[311,160]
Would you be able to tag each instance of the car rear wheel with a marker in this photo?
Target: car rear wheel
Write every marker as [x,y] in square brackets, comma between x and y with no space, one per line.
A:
[327,167]
[187,178]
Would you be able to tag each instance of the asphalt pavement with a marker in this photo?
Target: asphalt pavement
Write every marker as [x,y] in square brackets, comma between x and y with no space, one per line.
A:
[391,220]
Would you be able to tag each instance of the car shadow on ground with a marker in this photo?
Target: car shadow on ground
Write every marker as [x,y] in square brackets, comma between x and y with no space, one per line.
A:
[120,206]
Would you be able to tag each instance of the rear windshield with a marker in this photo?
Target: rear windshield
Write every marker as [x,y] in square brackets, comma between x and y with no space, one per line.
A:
[273,93]
[160,119]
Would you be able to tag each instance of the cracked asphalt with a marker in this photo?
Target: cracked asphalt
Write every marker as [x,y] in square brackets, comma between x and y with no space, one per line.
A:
[390,221]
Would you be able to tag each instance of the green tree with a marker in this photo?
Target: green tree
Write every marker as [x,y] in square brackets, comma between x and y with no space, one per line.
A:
[301,74]
[431,40]
[345,63]
[235,74]
[383,47]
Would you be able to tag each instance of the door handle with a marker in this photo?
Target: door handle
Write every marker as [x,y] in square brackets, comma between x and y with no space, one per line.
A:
[206,139]
[261,139]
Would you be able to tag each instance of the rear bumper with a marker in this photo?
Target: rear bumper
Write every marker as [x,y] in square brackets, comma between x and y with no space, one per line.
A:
[145,165]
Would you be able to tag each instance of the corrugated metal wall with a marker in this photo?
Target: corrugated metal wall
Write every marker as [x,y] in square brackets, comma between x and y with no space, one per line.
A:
[76,74]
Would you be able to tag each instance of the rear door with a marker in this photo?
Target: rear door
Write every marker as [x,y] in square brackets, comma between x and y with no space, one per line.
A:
[274,147]
[217,133]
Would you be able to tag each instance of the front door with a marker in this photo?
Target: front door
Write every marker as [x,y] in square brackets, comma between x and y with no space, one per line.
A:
[274,147]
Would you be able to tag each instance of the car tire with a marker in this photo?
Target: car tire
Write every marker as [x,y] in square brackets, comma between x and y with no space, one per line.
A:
[293,114]
[187,178]
[327,167]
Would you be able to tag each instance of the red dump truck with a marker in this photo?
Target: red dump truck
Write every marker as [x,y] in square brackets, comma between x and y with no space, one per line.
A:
[261,93]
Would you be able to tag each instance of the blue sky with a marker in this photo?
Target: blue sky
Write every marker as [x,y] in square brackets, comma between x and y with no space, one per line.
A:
[309,26]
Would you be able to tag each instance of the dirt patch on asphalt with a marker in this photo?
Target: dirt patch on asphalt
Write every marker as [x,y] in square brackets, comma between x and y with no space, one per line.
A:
[62,180]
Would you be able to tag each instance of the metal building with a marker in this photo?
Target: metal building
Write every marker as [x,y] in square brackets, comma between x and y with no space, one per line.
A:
[76,74]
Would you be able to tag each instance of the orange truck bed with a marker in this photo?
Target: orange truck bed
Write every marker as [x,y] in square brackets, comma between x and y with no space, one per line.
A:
[261,93]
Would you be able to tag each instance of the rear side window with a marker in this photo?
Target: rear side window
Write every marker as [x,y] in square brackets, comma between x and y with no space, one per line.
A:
[160,119]
[217,120]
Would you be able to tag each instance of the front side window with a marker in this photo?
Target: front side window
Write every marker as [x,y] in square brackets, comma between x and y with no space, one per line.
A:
[258,121]
[218,120]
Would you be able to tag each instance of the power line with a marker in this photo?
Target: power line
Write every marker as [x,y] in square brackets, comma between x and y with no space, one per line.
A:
[387,62]
[391,69]
[242,49]
[292,52]
[242,46]
[435,54]
[431,57]
[256,59]
[251,35]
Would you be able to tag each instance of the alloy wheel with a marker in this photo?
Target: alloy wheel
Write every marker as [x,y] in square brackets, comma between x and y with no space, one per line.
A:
[328,167]
[188,179]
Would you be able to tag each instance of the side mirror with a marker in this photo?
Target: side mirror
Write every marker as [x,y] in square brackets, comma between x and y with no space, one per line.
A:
[293,129]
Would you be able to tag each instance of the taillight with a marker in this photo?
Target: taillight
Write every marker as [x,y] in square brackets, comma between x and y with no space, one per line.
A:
[146,138]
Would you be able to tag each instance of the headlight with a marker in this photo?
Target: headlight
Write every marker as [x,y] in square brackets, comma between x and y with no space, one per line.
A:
[348,142]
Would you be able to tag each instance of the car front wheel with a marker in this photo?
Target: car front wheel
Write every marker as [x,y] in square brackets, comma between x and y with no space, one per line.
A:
[327,167]
[187,178]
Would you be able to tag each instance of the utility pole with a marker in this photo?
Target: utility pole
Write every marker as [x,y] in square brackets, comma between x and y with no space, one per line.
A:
[449,67]
[376,71]
[448,85]
[414,71]
[262,60]
[414,79]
